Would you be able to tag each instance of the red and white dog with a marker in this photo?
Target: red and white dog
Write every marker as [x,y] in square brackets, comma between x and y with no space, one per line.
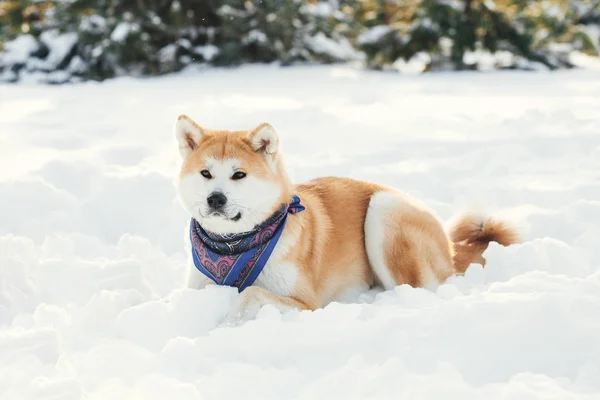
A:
[353,235]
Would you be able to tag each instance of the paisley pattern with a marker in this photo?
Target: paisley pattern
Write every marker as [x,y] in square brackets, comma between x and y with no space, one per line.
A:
[237,259]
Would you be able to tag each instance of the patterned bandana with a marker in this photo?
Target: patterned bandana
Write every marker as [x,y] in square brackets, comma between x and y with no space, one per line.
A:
[237,259]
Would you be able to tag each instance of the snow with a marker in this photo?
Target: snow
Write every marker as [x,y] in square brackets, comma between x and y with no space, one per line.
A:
[208,51]
[321,8]
[593,33]
[416,65]
[167,54]
[93,24]
[340,50]
[57,77]
[255,36]
[18,50]
[373,35]
[59,45]
[487,61]
[92,266]
[122,31]
[77,65]
[458,5]
[582,60]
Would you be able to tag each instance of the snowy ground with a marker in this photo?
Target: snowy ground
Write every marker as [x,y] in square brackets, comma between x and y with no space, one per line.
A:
[91,239]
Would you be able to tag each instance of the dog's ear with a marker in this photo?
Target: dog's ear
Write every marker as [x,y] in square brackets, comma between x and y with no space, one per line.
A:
[188,134]
[264,139]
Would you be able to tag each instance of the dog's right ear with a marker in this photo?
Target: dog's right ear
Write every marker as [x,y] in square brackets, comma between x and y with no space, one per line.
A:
[188,134]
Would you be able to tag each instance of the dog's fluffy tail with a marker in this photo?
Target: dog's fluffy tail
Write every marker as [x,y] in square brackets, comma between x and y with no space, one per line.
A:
[472,233]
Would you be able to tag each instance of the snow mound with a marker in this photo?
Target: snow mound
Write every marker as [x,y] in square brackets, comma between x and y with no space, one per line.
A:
[59,46]
[340,50]
[373,35]
[17,51]
[93,264]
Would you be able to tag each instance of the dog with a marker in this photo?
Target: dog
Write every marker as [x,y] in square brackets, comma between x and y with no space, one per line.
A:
[352,235]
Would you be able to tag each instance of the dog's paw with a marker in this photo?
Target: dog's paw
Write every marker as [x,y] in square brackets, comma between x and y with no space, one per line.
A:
[246,307]
[239,316]
[235,318]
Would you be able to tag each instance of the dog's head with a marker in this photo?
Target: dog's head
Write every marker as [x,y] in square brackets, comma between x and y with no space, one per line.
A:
[230,181]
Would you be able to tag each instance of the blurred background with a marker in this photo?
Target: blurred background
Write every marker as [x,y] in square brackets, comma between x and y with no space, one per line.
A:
[59,41]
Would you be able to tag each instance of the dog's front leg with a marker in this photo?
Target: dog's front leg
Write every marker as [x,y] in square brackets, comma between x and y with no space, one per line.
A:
[251,300]
[196,279]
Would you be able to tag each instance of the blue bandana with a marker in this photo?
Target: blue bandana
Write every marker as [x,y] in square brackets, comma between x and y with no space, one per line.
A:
[237,259]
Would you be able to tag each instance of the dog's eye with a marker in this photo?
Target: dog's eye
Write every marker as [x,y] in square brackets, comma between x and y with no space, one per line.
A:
[238,175]
[205,174]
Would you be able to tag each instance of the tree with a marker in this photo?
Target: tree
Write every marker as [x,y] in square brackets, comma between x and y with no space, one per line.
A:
[99,39]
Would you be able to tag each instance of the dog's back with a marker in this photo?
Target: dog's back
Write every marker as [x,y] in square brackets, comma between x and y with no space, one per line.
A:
[359,234]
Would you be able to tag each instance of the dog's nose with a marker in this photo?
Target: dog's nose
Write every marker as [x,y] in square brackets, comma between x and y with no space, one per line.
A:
[216,200]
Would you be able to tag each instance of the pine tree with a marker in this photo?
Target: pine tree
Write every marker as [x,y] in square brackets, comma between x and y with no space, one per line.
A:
[98,39]
[450,30]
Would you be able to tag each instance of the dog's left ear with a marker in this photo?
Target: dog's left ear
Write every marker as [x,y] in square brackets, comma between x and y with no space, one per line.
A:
[264,139]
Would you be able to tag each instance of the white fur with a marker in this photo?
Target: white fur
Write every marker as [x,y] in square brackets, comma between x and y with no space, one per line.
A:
[381,204]
[184,129]
[252,197]
[249,303]
[278,278]
[196,279]
[351,293]
[429,280]
[265,137]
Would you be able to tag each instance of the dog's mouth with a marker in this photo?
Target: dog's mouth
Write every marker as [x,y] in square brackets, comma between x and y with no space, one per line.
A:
[235,218]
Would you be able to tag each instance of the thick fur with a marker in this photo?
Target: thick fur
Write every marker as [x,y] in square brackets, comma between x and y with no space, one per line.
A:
[353,235]
[472,233]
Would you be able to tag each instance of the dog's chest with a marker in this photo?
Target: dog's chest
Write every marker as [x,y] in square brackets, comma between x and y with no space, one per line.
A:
[279,274]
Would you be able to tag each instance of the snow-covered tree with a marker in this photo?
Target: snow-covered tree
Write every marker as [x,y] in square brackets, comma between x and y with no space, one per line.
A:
[464,34]
[98,39]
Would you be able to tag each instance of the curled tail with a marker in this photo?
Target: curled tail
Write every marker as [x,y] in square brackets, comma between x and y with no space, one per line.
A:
[471,234]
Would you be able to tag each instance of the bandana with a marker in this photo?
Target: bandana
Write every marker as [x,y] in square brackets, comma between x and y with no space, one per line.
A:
[237,259]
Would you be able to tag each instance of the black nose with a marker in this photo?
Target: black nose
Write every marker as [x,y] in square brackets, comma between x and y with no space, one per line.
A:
[216,200]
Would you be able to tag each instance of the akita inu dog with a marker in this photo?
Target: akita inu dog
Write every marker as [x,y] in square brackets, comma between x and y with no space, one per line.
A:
[352,235]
